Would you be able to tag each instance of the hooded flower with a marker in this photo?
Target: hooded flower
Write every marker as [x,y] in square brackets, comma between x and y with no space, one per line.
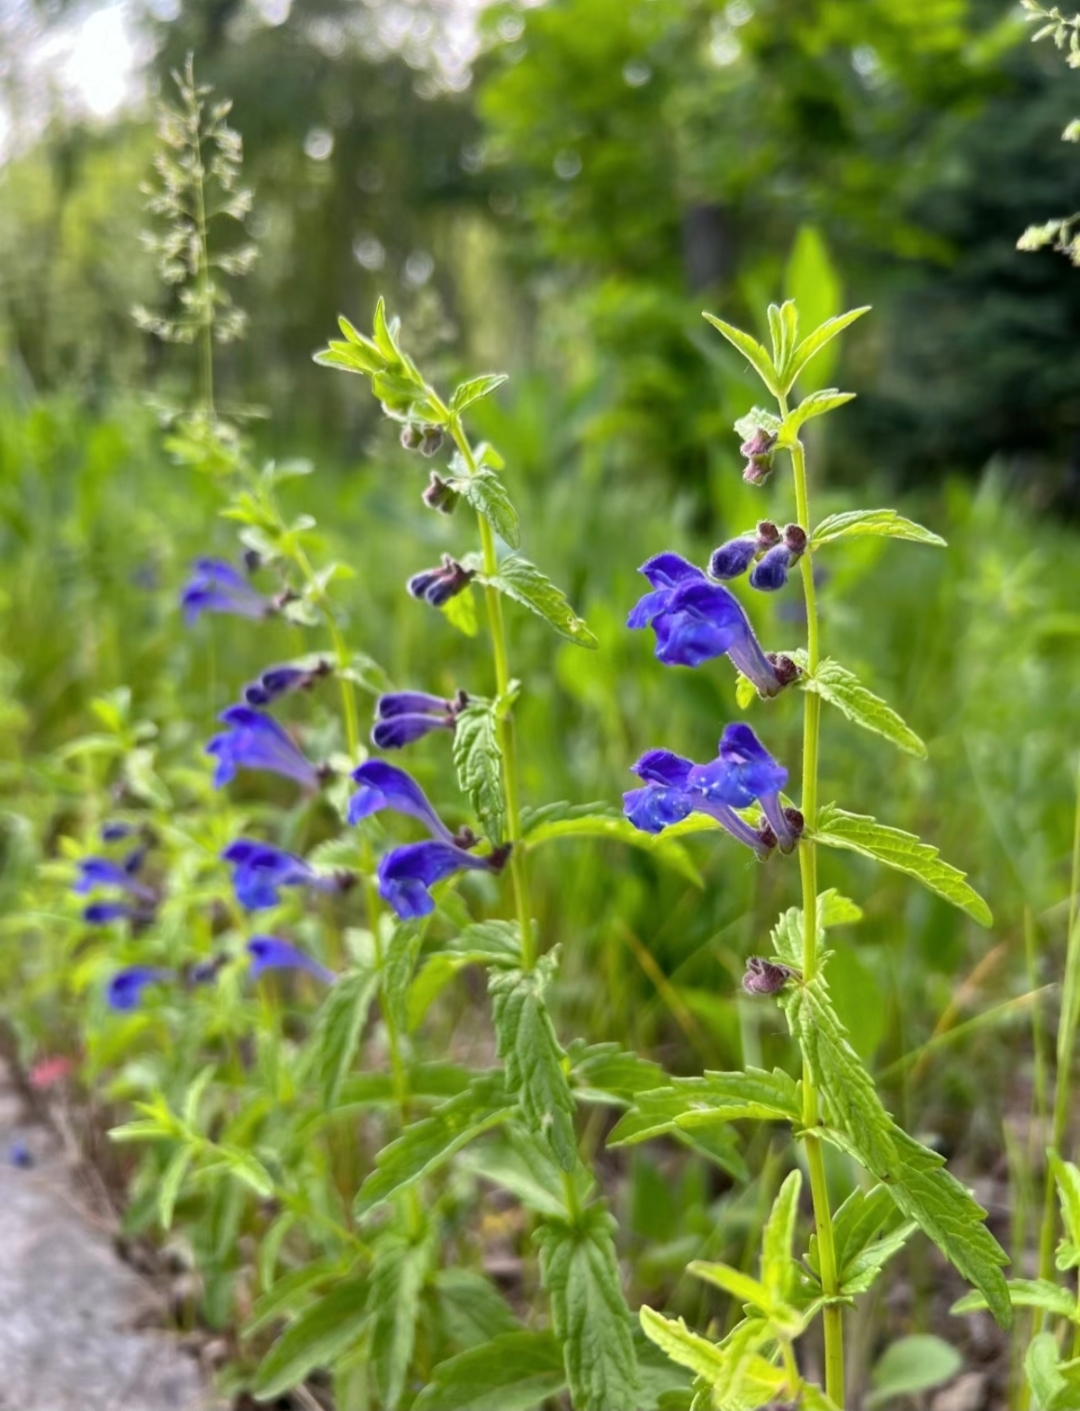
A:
[271,953]
[215,586]
[406,873]
[731,560]
[138,900]
[260,869]
[257,741]
[695,620]
[743,772]
[771,572]
[126,987]
[438,585]
[405,716]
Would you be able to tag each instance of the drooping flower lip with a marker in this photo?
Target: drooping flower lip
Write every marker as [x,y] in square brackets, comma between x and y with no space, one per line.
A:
[764,977]
[405,874]
[405,716]
[260,869]
[216,586]
[272,953]
[257,741]
[438,585]
[277,681]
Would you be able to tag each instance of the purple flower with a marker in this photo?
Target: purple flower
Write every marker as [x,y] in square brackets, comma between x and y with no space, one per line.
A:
[97,872]
[100,913]
[732,559]
[280,680]
[772,571]
[116,831]
[405,716]
[257,741]
[260,869]
[438,585]
[382,786]
[125,989]
[695,620]
[406,873]
[763,977]
[270,953]
[759,448]
[215,586]
[743,772]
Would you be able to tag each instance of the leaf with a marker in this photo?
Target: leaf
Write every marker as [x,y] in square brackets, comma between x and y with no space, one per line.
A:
[778,1268]
[320,1335]
[751,350]
[1056,1384]
[478,760]
[514,1372]
[1027,1293]
[338,1028]
[857,524]
[843,689]
[468,392]
[811,280]
[820,338]
[741,1286]
[471,1309]
[605,1071]
[171,1183]
[620,830]
[580,1272]
[493,942]
[460,612]
[867,1231]
[487,495]
[522,581]
[688,1103]
[398,1272]
[817,404]
[426,1145]
[856,832]
[687,1348]
[1067,1180]
[910,1365]
[521,1162]
[734,1371]
[291,1293]
[915,1176]
[533,1057]
[837,910]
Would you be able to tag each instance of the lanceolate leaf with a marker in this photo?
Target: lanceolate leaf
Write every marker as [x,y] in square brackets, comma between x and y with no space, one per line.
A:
[915,1176]
[687,1348]
[479,765]
[400,1267]
[513,1372]
[1028,1293]
[533,1058]
[814,342]
[430,1143]
[620,830]
[689,1103]
[486,493]
[581,1275]
[321,1334]
[521,580]
[856,832]
[855,524]
[817,404]
[868,1230]
[843,689]
[751,350]
[468,392]
[337,1033]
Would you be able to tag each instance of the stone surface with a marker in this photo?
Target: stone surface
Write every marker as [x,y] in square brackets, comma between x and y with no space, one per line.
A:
[68,1305]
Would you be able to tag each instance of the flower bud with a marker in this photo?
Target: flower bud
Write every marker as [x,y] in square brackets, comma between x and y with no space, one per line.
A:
[759,450]
[767,535]
[785,668]
[763,977]
[438,585]
[795,539]
[439,496]
[770,572]
[430,441]
[732,559]
[411,437]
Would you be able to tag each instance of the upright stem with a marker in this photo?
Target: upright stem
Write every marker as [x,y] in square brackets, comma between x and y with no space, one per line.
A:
[819,1187]
[504,725]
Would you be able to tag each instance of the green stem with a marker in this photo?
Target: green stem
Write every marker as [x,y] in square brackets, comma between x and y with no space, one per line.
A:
[819,1187]
[1066,1042]
[504,724]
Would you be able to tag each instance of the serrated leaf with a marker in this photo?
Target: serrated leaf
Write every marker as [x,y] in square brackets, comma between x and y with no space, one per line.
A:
[778,1267]
[688,1349]
[291,1294]
[856,524]
[496,942]
[620,830]
[522,581]
[814,342]
[735,1372]
[843,689]
[522,1163]
[751,350]
[478,760]
[743,1287]
[580,1271]
[400,1267]
[532,1056]
[1056,1384]
[689,1103]
[171,1183]
[320,1335]
[867,1231]
[472,1311]
[468,392]
[426,1145]
[487,495]
[837,910]
[1027,1293]
[606,1071]
[856,832]
[514,1372]
[1067,1180]
[816,404]
[915,1176]
[338,1028]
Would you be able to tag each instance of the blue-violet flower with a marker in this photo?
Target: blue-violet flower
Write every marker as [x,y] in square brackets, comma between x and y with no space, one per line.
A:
[125,989]
[406,873]
[438,585]
[405,716]
[215,586]
[259,869]
[280,680]
[257,741]
[271,953]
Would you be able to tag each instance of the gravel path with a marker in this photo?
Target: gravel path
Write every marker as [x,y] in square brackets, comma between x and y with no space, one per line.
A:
[68,1306]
